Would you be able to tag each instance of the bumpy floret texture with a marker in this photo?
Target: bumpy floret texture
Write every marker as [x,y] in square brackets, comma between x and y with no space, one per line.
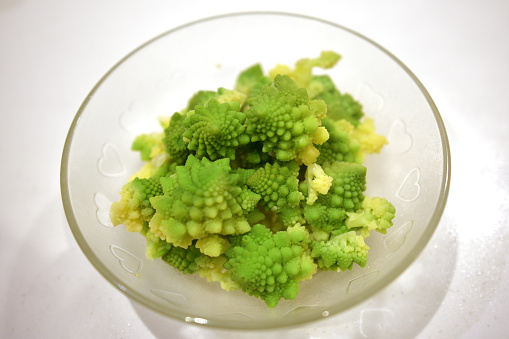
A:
[340,252]
[376,214]
[201,198]
[270,266]
[339,106]
[328,212]
[134,206]
[341,146]
[277,184]
[215,130]
[251,80]
[149,145]
[174,140]
[285,120]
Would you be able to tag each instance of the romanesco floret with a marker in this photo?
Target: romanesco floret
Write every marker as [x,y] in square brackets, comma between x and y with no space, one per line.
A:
[174,140]
[370,142]
[341,146]
[149,145]
[317,182]
[277,184]
[156,247]
[328,212]
[200,199]
[270,266]
[376,214]
[251,156]
[186,260]
[303,70]
[339,106]
[285,120]
[222,95]
[340,252]
[215,130]
[134,206]
[251,80]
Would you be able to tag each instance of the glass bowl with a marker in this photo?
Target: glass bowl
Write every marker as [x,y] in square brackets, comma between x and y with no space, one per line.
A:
[157,79]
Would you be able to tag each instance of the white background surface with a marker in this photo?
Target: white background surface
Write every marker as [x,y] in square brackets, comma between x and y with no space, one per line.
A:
[53,52]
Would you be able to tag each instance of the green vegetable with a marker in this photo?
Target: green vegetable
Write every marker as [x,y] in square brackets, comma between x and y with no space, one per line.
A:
[340,252]
[284,119]
[339,106]
[269,266]
[215,130]
[261,186]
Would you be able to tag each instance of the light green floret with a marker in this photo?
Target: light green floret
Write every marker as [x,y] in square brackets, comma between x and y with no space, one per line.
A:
[328,212]
[270,266]
[339,106]
[341,145]
[174,141]
[200,199]
[222,95]
[251,80]
[156,247]
[145,144]
[215,130]
[284,119]
[303,70]
[134,207]
[340,252]
[376,214]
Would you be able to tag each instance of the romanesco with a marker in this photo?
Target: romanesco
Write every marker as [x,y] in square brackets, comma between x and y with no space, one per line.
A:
[269,266]
[285,120]
[328,212]
[340,252]
[200,199]
[258,187]
[215,130]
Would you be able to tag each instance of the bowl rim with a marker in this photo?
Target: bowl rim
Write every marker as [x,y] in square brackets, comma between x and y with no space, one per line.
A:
[392,275]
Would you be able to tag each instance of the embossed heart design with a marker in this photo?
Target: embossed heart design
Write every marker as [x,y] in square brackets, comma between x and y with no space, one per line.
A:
[173,298]
[361,281]
[370,98]
[410,188]
[109,163]
[395,239]
[400,141]
[103,209]
[135,120]
[128,261]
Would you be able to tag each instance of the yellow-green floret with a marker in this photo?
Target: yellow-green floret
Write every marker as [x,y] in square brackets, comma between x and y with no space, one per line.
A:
[270,266]
[376,214]
[340,252]
[134,206]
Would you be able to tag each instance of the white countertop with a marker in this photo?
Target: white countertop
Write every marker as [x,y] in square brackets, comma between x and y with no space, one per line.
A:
[53,52]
